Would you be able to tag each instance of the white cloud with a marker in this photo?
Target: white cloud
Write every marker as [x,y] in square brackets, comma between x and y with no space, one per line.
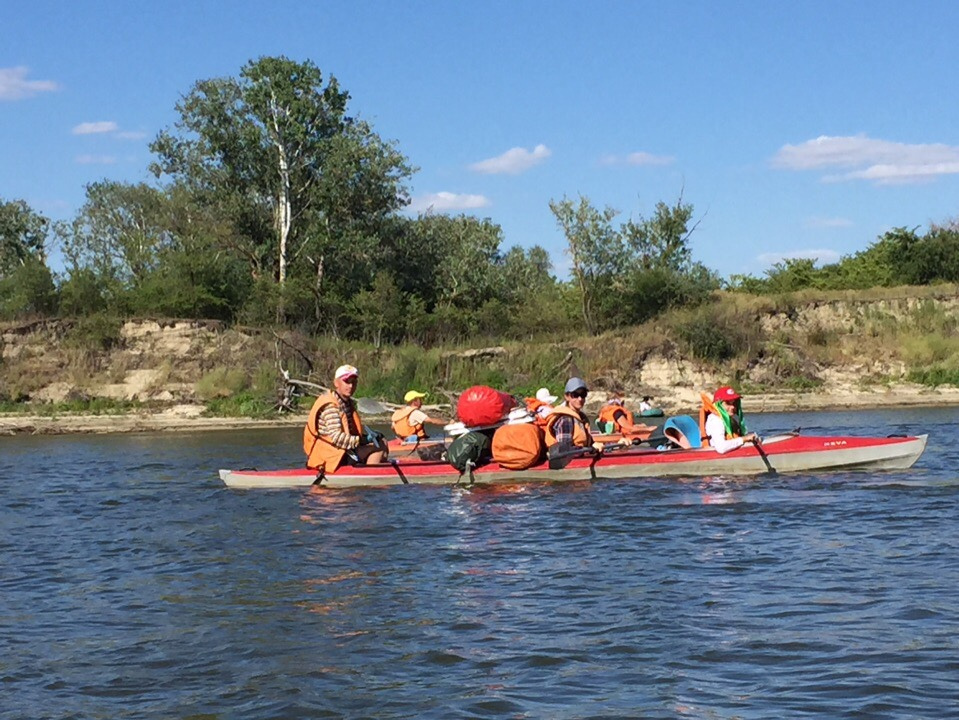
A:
[824,257]
[95,159]
[891,174]
[15,86]
[447,201]
[637,158]
[880,161]
[94,128]
[821,222]
[512,162]
[645,158]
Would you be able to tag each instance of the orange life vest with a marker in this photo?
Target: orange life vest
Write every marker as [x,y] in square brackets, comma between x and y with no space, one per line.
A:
[581,436]
[708,407]
[607,415]
[322,454]
[400,421]
[518,447]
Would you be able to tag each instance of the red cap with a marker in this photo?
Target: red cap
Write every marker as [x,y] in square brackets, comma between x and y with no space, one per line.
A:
[726,394]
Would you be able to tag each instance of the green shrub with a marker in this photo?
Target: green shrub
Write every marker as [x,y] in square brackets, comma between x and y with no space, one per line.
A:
[94,333]
[28,291]
[242,404]
[221,383]
[83,293]
[935,376]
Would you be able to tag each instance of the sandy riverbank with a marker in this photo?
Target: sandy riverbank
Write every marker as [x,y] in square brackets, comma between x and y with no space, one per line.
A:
[189,418]
[179,418]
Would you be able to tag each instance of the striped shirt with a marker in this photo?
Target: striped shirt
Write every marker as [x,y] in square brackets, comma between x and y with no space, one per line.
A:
[330,425]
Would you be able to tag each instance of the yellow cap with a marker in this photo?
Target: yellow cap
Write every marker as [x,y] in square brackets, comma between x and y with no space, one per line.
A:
[412,395]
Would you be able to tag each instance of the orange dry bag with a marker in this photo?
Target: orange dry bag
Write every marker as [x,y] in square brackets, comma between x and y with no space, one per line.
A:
[518,447]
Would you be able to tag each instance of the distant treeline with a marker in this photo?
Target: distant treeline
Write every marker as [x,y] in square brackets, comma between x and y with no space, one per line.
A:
[274,206]
[899,257]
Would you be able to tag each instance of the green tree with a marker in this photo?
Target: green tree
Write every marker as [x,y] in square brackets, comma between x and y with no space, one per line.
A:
[28,291]
[448,261]
[382,312]
[23,236]
[276,146]
[596,252]
[662,241]
[139,249]
[117,233]
[935,258]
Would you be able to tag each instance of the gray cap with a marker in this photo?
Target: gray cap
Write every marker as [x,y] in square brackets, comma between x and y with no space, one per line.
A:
[574,384]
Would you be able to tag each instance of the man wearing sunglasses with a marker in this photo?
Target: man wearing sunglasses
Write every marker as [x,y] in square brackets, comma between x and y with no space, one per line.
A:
[567,427]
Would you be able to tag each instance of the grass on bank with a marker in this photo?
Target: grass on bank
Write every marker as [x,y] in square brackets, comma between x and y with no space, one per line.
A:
[87,406]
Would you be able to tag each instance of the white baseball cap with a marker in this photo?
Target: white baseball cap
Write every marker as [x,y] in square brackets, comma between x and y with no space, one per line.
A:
[544,396]
[344,372]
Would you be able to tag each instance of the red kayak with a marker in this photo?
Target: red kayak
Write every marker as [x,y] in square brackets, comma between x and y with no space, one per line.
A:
[788,453]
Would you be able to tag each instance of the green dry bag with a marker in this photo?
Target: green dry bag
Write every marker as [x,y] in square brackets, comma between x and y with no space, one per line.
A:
[472,447]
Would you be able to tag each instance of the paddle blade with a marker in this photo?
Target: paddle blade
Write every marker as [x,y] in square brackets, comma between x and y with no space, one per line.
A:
[369,406]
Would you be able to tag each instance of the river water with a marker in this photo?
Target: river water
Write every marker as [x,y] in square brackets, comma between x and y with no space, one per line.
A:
[134,585]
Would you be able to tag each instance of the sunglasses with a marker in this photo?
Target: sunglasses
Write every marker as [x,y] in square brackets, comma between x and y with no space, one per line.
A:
[579,394]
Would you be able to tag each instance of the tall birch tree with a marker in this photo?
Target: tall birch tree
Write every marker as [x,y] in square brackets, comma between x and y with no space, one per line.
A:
[261,145]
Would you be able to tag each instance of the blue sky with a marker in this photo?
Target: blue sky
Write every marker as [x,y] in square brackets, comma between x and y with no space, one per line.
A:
[794,128]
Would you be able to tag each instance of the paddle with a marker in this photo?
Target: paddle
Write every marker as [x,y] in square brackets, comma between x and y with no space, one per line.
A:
[369,406]
[561,460]
[762,453]
[653,440]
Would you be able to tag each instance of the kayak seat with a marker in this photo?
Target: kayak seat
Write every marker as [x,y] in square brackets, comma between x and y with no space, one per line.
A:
[683,431]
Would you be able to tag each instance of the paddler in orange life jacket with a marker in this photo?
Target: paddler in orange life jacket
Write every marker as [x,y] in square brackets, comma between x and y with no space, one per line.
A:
[408,422]
[334,434]
[721,421]
[615,418]
[567,427]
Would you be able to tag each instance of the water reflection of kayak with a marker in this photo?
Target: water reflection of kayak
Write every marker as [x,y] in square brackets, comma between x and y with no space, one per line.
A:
[788,453]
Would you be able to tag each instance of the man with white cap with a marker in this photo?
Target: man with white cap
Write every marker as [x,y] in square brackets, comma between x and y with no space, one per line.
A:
[334,433]
[408,421]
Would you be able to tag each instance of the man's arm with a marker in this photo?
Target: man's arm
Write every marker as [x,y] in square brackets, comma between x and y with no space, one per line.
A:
[716,431]
[418,417]
[330,426]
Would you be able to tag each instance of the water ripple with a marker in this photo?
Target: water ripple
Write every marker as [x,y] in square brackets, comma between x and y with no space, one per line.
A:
[135,586]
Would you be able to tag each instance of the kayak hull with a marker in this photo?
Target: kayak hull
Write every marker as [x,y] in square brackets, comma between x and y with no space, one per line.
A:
[781,454]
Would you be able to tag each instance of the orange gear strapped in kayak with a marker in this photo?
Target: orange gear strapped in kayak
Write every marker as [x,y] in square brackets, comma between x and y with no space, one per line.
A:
[607,414]
[518,447]
[321,454]
[400,422]
[532,407]
[581,436]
